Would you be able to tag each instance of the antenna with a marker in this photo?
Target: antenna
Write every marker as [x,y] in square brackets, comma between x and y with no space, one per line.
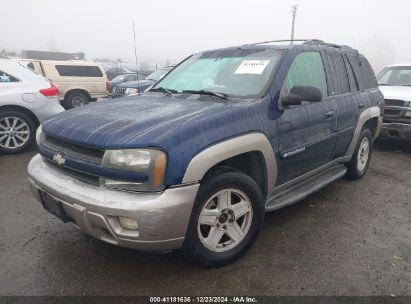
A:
[135,53]
[294,14]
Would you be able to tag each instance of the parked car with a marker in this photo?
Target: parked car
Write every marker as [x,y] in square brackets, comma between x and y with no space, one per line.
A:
[395,84]
[136,87]
[26,100]
[79,82]
[193,163]
[124,78]
[113,72]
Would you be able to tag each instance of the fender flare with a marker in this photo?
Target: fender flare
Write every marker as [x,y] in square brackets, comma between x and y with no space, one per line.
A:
[253,142]
[365,116]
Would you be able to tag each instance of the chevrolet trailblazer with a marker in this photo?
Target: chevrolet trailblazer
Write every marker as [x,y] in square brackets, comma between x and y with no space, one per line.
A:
[225,136]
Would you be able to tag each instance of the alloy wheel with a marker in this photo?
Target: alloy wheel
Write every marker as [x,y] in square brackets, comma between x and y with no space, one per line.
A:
[14,132]
[225,220]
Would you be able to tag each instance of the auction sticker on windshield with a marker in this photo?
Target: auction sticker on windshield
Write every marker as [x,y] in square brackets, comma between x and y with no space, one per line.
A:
[252,67]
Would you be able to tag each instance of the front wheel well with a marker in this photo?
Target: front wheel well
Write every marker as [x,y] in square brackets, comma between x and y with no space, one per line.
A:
[24,110]
[250,163]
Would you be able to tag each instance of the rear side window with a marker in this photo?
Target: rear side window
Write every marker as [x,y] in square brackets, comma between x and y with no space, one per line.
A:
[367,74]
[341,84]
[4,77]
[363,72]
[307,69]
[79,71]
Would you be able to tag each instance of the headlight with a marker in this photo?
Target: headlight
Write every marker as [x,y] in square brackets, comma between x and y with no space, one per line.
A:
[407,114]
[151,164]
[131,91]
[38,135]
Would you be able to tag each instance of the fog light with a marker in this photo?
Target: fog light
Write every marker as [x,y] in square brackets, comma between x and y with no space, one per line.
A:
[407,114]
[128,223]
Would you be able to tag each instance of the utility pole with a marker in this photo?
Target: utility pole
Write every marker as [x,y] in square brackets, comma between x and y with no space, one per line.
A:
[294,14]
[135,52]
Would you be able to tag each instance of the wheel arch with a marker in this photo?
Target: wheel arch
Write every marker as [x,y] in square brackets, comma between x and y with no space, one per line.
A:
[73,90]
[21,109]
[369,117]
[245,153]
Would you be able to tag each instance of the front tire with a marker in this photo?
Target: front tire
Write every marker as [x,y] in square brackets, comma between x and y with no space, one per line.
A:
[360,161]
[17,132]
[226,219]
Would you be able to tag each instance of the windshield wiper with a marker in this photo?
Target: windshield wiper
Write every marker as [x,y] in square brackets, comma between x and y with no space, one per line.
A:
[168,92]
[209,93]
[406,85]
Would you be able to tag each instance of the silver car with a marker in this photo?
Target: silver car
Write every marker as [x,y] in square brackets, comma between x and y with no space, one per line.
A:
[26,100]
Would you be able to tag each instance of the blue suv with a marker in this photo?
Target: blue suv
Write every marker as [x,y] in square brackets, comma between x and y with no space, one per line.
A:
[195,162]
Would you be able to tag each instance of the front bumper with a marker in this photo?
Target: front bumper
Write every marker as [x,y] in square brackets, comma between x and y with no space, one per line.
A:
[396,131]
[162,217]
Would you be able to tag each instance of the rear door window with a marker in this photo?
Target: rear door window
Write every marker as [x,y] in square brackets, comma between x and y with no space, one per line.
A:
[79,71]
[307,69]
[4,77]
[351,77]
[341,84]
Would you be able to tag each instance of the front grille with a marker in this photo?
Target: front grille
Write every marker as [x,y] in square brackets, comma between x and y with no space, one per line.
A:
[119,91]
[88,178]
[77,151]
[395,102]
[392,112]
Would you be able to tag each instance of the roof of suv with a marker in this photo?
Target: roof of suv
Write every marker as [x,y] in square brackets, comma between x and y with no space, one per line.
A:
[296,43]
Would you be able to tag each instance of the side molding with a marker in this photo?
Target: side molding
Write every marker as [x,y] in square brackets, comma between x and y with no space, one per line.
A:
[213,155]
[366,115]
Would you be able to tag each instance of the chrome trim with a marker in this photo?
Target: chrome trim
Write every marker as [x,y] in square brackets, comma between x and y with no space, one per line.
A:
[293,152]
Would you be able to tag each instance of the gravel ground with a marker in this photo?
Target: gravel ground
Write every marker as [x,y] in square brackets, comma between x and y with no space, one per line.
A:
[351,238]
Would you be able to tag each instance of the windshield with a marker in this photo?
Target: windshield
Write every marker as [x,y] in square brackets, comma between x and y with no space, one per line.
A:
[119,78]
[157,75]
[242,73]
[395,76]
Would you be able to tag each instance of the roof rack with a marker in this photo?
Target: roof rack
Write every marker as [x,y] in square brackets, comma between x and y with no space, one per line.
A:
[287,40]
[305,41]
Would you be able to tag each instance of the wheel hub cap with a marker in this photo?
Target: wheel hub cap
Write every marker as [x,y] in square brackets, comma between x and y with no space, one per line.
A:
[225,220]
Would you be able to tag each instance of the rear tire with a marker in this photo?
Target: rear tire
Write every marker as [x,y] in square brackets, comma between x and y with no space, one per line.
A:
[17,132]
[226,219]
[75,100]
[360,161]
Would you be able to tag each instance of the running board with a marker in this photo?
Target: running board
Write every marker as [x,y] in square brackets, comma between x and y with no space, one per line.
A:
[302,189]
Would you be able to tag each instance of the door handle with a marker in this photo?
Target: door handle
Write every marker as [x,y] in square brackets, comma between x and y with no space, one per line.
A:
[361,105]
[330,114]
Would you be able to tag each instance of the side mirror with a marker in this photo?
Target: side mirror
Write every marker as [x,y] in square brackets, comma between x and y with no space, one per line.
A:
[299,93]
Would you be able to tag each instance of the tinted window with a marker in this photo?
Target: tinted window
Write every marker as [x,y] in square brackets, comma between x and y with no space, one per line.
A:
[79,71]
[341,85]
[4,77]
[367,74]
[351,77]
[307,69]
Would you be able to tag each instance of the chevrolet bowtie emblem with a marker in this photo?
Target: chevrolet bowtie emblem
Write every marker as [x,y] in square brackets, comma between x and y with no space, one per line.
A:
[59,159]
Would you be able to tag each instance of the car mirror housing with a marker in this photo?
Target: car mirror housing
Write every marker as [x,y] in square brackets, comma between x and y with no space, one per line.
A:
[300,93]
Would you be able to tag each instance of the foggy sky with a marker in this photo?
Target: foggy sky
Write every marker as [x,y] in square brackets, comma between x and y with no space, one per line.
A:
[173,29]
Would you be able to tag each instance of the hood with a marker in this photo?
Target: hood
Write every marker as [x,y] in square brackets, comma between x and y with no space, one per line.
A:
[396,92]
[136,84]
[132,122]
